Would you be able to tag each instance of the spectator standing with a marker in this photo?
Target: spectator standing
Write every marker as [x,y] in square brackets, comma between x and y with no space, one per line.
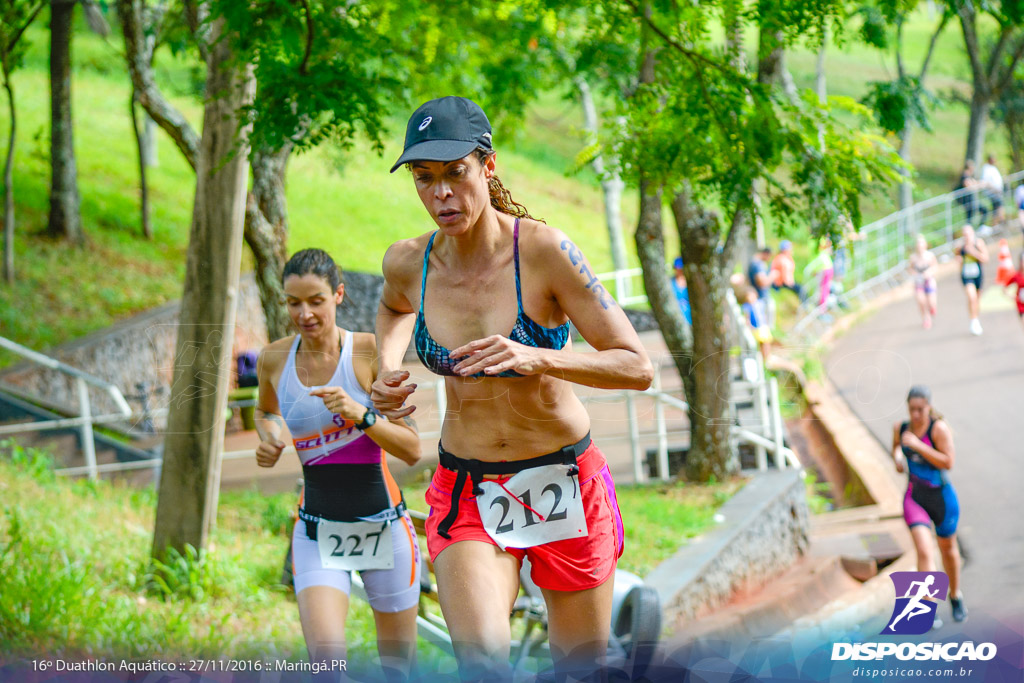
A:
[783,272]
[822,266]
[758,274]
[680,290]
[969,200]
[992,185]
[1018,199]
[762,332]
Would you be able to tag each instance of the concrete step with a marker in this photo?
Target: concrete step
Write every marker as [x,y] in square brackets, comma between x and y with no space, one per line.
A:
[803,589]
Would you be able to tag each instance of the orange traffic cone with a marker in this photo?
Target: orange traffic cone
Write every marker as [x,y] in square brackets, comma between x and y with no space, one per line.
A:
[1004,269]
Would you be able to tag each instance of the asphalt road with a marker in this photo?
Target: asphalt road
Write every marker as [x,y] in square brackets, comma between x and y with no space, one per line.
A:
[978,384]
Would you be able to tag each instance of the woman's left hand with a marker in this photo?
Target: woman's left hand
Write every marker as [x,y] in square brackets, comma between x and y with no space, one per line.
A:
[337,401]
[496,354]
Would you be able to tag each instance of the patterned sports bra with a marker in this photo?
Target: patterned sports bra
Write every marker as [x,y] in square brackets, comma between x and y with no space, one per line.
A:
[525,331]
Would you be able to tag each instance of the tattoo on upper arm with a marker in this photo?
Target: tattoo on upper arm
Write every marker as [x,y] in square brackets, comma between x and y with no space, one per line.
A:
[598,290]
[411,422]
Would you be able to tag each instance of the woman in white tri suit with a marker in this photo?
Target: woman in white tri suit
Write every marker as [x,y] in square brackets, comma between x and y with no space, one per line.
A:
[352,516]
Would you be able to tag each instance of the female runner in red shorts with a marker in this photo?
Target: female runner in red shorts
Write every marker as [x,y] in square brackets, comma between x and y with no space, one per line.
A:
[488,298]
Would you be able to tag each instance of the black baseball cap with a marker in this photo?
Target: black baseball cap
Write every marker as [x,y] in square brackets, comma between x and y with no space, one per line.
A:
[445,129]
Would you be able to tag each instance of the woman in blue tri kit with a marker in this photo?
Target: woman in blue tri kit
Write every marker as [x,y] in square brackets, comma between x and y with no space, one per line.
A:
[923,446]
[488,298]
[352,516]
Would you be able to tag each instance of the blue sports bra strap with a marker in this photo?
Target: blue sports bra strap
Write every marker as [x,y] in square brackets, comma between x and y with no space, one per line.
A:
[515,256]
[426,260]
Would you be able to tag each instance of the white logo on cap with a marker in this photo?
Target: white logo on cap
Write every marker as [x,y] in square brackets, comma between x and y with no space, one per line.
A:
[487,135]
[426,122]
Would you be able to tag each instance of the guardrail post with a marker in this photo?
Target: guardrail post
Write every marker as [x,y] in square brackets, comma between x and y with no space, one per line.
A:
[760,389]
[773,388]
[442,399]
[634,439]
[88,445]
[659,416]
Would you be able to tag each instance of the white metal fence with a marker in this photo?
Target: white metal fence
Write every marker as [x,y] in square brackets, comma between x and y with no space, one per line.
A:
[766,434]
[877,254]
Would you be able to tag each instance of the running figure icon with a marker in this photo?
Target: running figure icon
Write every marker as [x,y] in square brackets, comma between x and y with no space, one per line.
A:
[916,605]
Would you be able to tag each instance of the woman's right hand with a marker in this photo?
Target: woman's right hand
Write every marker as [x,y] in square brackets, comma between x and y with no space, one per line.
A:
[900,462]
[268,452]
[389,395]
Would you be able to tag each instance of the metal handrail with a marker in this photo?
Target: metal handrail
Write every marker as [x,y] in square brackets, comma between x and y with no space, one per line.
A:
[86,420]
[54,364]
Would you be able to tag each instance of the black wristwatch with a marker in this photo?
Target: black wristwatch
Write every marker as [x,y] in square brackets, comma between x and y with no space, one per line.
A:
[369,419]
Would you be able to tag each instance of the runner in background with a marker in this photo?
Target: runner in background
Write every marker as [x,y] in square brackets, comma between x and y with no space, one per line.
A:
[924,266]
[351,515]
[971,255]
[1017,278]
[923,447]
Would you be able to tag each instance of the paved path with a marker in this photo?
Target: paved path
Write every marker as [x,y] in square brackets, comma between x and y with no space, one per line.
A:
[978,384]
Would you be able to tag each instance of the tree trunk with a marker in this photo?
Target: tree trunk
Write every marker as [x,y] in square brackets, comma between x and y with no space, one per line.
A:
[612,185]
[820,88]
[708,382]
[906,187]
[266,233]
[65,219]
[140,68]
[190,475]
[650,248]
[976,127]
[140,144]
[1015,132]
[9,187]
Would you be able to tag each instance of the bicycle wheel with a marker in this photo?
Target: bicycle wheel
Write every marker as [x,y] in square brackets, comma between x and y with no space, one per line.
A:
[638,627]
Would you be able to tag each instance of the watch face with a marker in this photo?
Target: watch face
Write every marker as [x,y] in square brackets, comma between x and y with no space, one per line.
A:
[369,419]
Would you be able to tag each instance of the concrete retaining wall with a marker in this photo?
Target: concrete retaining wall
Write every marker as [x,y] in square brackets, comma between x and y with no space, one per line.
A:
[766,528]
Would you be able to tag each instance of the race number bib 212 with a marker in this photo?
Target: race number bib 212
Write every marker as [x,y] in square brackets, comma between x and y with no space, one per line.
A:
[536,506]
[354,546]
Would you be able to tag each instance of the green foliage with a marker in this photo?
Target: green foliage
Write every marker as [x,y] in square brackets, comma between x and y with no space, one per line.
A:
[899,103]
[187,575]
[15,18]
[874,30]
[727,130]
[31,608]
[818,493]
[37,462]
[329,70]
